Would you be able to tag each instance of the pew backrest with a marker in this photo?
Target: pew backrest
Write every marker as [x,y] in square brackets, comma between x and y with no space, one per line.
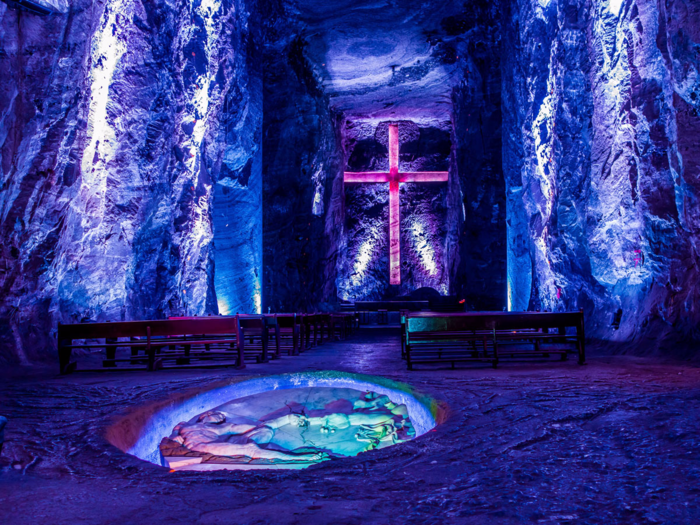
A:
[156,328]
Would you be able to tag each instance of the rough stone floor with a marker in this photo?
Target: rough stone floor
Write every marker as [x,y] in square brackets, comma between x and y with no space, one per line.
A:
[615,441]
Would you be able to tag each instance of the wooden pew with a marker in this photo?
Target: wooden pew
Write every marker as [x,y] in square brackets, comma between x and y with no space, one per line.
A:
[255,336]
[528,334]
[311,330]
[318,328]
[392,306]
[342,324]
[402,319]
[323,320]
[354,321]
[181,340]
[290,333]
[429,337]
[448,338]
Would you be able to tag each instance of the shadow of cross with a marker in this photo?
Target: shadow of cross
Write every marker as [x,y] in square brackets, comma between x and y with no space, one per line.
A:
[394,177]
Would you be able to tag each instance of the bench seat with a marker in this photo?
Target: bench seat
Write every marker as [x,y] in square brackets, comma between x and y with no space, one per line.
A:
[430,337]
[180,339]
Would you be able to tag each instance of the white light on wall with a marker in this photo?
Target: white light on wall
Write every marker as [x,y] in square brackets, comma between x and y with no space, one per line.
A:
[257,298]
[614,6]
[364,256]
[424,249]
[318,179]
[108,46]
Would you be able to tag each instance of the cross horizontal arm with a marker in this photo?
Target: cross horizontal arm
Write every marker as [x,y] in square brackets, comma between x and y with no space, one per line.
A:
[423,176]
[366,176]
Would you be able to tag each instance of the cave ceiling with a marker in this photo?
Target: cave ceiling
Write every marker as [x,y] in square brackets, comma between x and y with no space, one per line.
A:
[386,59]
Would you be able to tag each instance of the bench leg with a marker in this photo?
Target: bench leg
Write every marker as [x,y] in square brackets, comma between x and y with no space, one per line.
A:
[278,351]
[150,351]
[581,337]
[264,343]
[135,354]
[241,353]
[111,352]
[495,350]
[184,360]
[64,355]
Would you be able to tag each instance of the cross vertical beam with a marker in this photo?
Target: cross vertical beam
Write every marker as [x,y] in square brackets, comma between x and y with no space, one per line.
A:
[394,211]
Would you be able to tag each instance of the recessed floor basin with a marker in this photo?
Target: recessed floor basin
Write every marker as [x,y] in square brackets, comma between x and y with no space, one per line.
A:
[289,428]
[282,421]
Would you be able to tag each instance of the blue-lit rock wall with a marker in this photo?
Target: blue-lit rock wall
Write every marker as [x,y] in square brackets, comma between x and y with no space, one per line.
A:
[601,164]
[480,272]
[237,214]
[116,120]
[301,171]
[363,268]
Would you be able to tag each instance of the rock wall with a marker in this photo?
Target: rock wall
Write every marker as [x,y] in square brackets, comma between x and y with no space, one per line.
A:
[602,184]
[302,175]
[133,172]
[237,214]
[465,237]
[480,268]
[116,119]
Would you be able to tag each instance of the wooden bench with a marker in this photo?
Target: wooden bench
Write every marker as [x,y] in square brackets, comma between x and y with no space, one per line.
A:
[353,320]
[343,324]
[535,334]
[255,336]
[429,337]
[289,333]
[311,332]
[180,340]
[318,324]
[392,306]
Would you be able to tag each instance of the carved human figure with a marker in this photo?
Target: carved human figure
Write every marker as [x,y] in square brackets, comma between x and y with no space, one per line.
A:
[372,420]
[213,434]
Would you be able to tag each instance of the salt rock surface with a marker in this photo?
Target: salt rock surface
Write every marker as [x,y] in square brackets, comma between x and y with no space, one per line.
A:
[602,183]
[120,125]
[3,424]
[299,426]
[132,156]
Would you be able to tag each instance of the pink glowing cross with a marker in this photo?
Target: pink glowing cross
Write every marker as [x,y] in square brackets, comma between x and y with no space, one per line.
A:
[394,177]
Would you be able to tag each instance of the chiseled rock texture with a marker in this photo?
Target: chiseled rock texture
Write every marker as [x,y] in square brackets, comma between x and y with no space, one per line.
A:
[186,158]
[601,163]
[302,183]
[3,424]
[474,46]
[117,121]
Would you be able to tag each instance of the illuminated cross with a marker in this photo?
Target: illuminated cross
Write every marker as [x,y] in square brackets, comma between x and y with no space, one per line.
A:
[394,177]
